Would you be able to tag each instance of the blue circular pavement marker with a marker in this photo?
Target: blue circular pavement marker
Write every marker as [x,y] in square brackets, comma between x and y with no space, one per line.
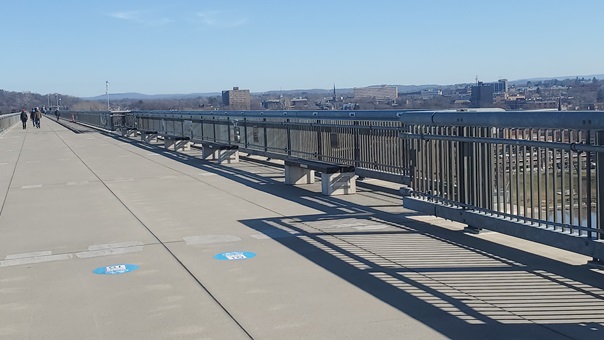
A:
[116,269]
[235,255]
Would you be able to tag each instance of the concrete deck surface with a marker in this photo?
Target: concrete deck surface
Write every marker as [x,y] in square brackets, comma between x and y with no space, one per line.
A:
[344,267]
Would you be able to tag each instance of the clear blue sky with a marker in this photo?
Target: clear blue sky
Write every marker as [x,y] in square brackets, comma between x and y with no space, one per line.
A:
[163,47]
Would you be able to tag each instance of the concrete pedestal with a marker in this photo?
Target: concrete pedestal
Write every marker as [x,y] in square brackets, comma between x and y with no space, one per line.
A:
[221,156]
[338,184]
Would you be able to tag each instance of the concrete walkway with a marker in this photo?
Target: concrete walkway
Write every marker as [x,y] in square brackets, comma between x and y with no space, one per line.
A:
[345,267]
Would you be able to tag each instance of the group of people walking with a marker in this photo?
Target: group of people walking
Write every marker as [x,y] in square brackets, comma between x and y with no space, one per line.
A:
[35,116]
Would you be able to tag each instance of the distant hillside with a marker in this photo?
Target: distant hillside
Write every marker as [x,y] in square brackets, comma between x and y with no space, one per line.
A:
[296,92]
[523,81]
[140,96]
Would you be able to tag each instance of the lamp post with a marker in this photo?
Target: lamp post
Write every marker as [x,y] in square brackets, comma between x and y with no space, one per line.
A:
[107,93]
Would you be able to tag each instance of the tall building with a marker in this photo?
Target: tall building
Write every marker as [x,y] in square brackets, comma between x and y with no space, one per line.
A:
[236,99]
[482,95]
[501,86]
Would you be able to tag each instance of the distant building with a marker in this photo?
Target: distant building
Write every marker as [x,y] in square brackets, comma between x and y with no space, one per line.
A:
[377,93]
[544,104]
[482,95]
[236,99]
[273,104]
[501,86]
[299,103]
[431,93]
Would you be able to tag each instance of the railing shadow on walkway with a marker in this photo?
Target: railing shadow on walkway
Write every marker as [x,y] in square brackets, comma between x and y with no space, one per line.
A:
[462,286]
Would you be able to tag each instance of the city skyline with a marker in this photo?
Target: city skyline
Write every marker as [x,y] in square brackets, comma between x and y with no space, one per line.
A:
[151,47]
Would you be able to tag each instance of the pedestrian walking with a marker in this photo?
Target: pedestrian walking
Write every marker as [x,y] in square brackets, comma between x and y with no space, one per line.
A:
[24,118]
[58,114]
[38,117]
[32,116]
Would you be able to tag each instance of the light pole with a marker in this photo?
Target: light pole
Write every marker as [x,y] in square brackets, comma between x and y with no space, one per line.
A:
[57,99]
[107,93]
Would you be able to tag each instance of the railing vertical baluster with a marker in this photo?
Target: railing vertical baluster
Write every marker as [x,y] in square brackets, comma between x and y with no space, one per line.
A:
[264,135]
[600,189]
[357,146]
[289,137]
[319,141]
[571,189]
[589,184]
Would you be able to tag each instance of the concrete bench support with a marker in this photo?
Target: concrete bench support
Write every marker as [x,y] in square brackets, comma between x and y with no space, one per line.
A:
[176,143]
[148,136]
[338,183]
[221,153]
[296,175]
[336,179]
[128,132]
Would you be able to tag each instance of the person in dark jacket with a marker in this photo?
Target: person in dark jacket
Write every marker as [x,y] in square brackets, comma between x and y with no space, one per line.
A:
[24,118]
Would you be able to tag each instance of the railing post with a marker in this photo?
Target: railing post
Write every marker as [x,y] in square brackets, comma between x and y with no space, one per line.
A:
[319,141]
[468,170]
[228,125]
[214,128]
[357,146]
[245,131]
[462,159]
[488,173]
[265,135]
[111,122]
[600,191]
[289,138]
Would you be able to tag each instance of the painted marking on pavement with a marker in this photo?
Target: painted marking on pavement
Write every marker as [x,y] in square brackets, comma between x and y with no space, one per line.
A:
[32,254]
[32,162]
[206,174]
[34,259]
[115,245]
[3,163]
[108,249]
[210,239]
[34,186]
[116,269]
[235,255]
[357,226]
[371,227]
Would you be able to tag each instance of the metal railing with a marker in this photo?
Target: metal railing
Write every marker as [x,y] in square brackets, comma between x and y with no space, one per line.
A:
[8,120]
[533,175]
[368,140]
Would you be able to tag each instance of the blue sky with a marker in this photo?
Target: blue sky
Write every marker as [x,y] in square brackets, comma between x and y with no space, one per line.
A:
[162,47]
